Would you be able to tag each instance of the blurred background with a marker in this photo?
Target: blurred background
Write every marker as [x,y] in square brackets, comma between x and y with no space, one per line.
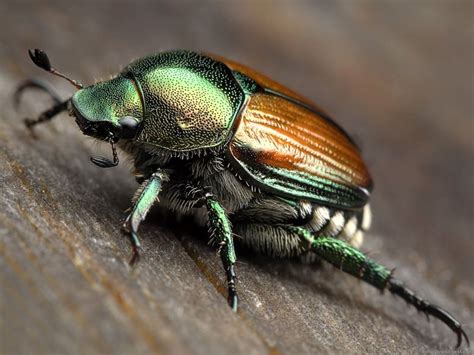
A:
[397,75]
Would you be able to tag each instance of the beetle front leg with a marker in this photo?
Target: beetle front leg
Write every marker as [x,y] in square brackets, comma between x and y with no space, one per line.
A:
[47,115]
[144,199]
[221,231]
[59,105]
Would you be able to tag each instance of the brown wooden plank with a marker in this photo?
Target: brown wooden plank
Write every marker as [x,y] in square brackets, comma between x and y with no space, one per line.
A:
[396,75]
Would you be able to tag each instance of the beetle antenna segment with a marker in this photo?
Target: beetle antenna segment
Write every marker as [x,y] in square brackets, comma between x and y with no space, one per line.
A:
[103,162]
[397,288]
[41,59]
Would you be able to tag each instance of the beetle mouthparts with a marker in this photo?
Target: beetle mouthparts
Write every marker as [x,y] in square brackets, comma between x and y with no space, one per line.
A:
[103,162]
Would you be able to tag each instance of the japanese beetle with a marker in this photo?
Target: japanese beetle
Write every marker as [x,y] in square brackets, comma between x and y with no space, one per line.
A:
[215,139]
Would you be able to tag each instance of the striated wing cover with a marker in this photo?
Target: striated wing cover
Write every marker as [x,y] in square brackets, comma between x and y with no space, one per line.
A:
[265,81]
[288,148]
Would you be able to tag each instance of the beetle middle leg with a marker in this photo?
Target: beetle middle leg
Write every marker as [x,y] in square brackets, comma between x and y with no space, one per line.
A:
[221,232]
[191,196]
[144,199]
[354,262]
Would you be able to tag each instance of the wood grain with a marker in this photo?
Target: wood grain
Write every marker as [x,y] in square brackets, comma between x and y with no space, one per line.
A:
[396,75]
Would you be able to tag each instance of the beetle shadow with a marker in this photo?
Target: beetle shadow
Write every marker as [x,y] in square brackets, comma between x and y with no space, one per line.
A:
[292,270]
[338,291]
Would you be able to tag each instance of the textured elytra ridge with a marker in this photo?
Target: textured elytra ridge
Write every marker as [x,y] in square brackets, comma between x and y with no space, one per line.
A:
[291,151]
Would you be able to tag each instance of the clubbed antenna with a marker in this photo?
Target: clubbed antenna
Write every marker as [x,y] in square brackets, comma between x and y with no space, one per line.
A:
[41,59]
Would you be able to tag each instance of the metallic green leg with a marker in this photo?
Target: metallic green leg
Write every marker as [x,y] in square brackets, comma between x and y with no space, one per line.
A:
[346,258]
[221,231]
[144,199]
[354,262]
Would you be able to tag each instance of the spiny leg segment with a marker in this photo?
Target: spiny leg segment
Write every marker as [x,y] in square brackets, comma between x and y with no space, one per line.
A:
[354,262]
[219,225]
[47,115]
[221,232]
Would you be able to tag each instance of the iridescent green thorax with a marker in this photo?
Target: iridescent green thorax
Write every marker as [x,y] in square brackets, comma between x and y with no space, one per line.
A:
[108,101]
[191,100]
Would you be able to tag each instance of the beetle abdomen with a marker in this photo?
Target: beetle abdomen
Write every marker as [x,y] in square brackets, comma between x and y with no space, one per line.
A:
[347,225]
[276,240]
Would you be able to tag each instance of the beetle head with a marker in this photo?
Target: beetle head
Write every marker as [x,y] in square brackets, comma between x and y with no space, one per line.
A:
[109,110]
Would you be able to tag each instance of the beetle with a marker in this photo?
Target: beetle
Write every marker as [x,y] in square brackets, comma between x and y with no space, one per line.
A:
[240,152]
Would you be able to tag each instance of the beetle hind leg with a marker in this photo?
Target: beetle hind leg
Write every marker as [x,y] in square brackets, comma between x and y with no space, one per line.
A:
[354,262]
[398,288]
[269,239]
[221,232]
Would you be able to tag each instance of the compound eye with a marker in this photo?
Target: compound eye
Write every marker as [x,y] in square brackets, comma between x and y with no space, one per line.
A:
[129,127]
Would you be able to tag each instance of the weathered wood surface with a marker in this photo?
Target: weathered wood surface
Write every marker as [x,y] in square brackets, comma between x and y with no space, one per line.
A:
[397,75]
